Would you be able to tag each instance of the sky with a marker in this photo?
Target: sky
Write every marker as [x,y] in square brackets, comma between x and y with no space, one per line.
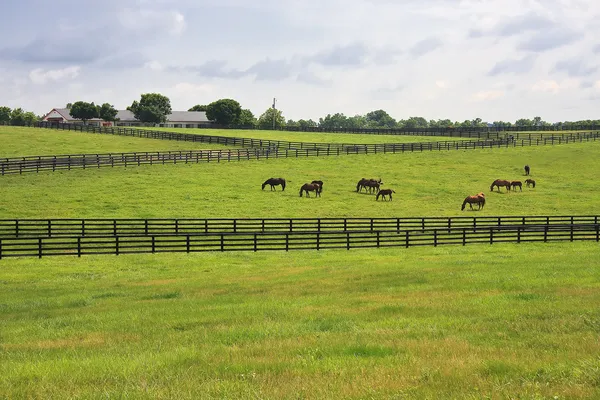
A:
[438,59]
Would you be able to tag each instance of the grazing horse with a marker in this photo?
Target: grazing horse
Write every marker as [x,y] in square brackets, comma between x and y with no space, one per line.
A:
[310,187]
[478,199]
[514,184]
[527,170]
[370,184]
[498,183]
[383,193]
[530,182]
[274,182]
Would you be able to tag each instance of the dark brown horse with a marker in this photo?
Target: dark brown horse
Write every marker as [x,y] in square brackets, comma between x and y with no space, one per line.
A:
[527,170]
[515,184]
[383,193]
[274,182]
[320,183]
[500,182]
[530,182]
[478,199]
[310,187]
[370,184]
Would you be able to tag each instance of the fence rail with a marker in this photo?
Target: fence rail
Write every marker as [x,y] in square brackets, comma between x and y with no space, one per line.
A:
[88,245]
[20,165]
[22,238]
[34,228]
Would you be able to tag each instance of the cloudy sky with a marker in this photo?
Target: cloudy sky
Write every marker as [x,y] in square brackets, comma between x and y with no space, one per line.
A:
[456,59]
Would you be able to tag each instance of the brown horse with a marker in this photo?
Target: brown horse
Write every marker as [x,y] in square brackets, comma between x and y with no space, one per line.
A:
[500,182]
[274,182]
[530,182]
[320,183]
[478,199]
[370,184]
[310,187]
[383,193]
[514,184]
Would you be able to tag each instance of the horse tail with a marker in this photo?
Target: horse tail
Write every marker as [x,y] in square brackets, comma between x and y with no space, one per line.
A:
[463,205]
[283,184]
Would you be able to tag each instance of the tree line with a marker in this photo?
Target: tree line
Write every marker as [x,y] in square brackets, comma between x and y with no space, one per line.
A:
[155,108]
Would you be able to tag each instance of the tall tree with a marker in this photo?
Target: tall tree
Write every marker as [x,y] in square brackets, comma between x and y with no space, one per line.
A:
[380,119]
[29,118]
[356,122]
[335,121]
[524,122]
[247,119]
[416,123]
[152,107]
[5,115]
[199,107]
[271,118]
[224,112]
[84,111]
[107,112]
[17,117]
[304,124]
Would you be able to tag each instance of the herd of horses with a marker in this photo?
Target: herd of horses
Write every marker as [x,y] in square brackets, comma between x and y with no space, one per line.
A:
[479,198]
[369,185]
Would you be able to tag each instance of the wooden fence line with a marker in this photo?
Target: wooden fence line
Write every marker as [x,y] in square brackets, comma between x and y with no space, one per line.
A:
[20,165]
[33,228]
[88,245]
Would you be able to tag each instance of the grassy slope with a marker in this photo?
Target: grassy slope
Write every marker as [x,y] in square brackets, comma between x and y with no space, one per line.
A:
[426,184]
[455,322]
[312,137]
[18,141]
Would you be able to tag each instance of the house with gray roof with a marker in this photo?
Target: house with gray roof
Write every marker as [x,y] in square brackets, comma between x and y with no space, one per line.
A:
[177,119]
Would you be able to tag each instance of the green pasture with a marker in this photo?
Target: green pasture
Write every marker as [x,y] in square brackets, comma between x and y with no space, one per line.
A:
[18,141]
[475,322]
[426,184]
[310,137]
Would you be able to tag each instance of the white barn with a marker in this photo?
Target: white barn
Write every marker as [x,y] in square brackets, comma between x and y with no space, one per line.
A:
[177,119]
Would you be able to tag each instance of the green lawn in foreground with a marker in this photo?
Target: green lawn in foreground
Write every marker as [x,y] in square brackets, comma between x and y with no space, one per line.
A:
[19,141]
[311,137]
[502,321]
[426,184]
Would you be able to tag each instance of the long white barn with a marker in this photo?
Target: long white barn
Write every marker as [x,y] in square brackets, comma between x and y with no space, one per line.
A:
[177,119]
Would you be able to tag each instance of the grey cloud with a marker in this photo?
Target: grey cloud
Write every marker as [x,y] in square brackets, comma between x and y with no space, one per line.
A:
[549,40]
[53,51]
[211,69]
[524,23]
[586,84]
[519,66]
[352,55]
[576,67]
[311,79]
[425,46]
[270,70]
[596,49]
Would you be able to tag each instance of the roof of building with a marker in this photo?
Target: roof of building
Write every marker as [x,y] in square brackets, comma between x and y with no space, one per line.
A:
[127,116]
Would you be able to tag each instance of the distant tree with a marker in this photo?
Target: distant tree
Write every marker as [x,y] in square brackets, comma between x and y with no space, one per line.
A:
[199,107]
[380,119]
[356,122]
[524,122]
[224,112]
[478,123]
[335,121]
[17,117]
[304,124]
[84,111]
[5,115]
[152,107]
[271,117]
[291,122]
[501,124]
[29,118]
[416,123]
[107,112]
[247,118]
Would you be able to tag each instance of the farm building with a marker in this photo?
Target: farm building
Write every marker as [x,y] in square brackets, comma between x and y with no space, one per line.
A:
[177,119]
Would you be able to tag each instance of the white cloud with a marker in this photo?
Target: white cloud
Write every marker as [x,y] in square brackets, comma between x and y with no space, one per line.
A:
[487,95]
[552,86]
[154,65]
[40,76]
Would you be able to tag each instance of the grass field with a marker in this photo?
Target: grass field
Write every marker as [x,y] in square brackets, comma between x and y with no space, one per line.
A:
[498,322]
[311,137]
[18,141]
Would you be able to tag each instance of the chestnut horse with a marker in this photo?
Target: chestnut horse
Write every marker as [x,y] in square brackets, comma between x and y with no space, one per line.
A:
[530,182]
[478,199]
[274,182]
[514,184]
[311,187]
[500,182]
[383,193]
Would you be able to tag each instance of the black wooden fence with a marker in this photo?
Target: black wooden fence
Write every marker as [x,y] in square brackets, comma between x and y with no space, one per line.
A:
[20,165]
[22,238]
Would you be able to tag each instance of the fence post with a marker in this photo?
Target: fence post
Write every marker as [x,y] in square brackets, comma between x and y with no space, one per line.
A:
[406,239]
[40,247]
[222,242]
[464,236]
[1,243]
[435,238]
[153,244]
[16,227]
[116,245]
[79,246]
[318,241]
[597,237]
[545,233]
[347,240]
[571,232]
[287,242]
[518,234]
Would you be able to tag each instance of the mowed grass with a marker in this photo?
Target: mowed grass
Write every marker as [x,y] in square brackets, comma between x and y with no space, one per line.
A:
[22,141]
[495,322]
[426,184]
[311,137]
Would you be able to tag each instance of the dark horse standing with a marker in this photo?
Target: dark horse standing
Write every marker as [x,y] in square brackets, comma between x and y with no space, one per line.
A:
[274,182]
[383,193]
[530,182]
[498,183]
[311,187]
[514,185]
[320,183]
[527,170]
